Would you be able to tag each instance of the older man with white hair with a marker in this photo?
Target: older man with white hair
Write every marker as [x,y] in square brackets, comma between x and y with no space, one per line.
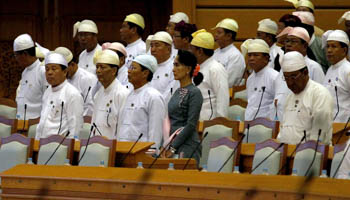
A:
[227,54]
[79,78]
[337,79]
[87,31]
[261,83]
[145,109]
[62,103]
[309,108]
[33,83]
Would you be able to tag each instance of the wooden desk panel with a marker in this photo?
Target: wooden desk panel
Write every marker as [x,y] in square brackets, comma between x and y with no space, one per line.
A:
[64,182]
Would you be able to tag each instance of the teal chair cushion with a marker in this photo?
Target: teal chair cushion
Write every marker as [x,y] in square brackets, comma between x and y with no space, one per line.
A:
[32,131]
[46,151]
[95,153]
[235,112]
[85,131]
[272,163]
[8,112]
[257,134]
[5,130]
[303,159]
[217,157]
[335,162]
[214,133]
[241,95]
[12,154]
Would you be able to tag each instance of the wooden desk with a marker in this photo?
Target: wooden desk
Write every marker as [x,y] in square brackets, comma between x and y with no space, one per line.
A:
[65,182]
[138,154]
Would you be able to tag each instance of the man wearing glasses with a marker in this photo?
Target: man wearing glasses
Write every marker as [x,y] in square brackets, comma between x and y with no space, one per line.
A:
[309,108]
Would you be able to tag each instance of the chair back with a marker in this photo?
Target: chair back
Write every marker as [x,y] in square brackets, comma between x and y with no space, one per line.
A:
[217,128]
[32,124]
[304,156]
[14,150]
[235,112]
[48,145]
[220,150]
[85,131]
[8,108]
[338,153]
[260,130]
[274,162]
[99,149]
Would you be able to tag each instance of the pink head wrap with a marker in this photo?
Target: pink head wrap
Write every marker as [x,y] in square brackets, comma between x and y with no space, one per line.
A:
[115,46]
[285,31]
[305,17]
[300,33]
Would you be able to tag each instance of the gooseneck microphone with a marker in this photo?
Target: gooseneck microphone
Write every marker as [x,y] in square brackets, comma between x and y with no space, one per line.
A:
[211,106]
[342,132]
[166,147]
[296,147]
[248,126]
[341,161]
[171,91]
[258,165]
[97,128]
[313,159]
[336,96]
[87,94]
[132,147]
[194,150]
[233,153]
[59,129]
[87,144]
[58,146]
[263,91]
[24,116]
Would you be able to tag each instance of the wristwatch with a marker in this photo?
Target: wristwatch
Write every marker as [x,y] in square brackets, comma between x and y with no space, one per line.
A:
[172,149]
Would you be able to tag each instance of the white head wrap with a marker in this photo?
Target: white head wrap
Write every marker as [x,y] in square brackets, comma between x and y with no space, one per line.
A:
[244,46]
[40,51]
[336,35]
[148,42]
[23,42]
[293,61]
[268,26]
[55,58]
[148,61]
[106,57]
[85,26]
[258,46]
[304,3]
[346,16]
[227,23]
[178,17]
[65,52]
[163,37]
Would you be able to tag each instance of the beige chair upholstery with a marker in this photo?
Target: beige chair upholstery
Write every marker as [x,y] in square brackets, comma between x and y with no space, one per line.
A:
[85,131]
[46,151]
[241,95]
[95,153]
[236,111]
[337,157]
[258,133]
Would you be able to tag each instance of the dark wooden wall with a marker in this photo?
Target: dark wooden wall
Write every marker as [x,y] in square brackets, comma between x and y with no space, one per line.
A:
[50,22]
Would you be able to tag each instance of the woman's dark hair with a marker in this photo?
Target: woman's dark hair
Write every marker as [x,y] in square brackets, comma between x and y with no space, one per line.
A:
[185,29]
[290,20]
[188,59]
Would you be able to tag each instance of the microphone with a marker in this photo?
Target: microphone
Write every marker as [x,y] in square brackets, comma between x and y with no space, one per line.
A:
[24,117]
[296,147]
[87,144]
[313,159]
[171,91]
[87,94]
[211,106]
[279,146]
[263,91]
[205,135]
[126,155]
[248,126]
[341,161]
[166,147]
[336,96]
[342,132]
[233,153]
[93,123]
[59,129]
[58,146]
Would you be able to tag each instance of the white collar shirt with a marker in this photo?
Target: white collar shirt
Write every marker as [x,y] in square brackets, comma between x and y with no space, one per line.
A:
[134,49]
[86,60]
